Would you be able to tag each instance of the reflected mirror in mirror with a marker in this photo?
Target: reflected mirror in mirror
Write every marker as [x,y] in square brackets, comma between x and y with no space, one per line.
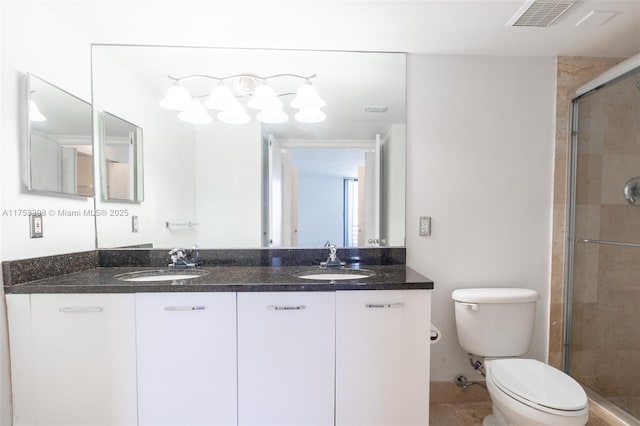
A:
[308,148]
[121,159]
[60,144]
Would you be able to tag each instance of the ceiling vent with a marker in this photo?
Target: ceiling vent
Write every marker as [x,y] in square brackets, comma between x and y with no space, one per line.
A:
[539,13]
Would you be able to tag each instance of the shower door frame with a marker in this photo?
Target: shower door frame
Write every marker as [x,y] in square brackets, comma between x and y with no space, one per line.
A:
[611,76]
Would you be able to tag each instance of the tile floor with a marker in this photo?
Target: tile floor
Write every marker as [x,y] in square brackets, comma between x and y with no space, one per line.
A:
[471,406]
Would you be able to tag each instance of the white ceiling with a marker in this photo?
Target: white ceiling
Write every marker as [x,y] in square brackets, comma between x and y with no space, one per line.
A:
[460,27]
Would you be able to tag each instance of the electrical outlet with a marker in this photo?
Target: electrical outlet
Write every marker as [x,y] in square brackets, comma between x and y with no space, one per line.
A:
[35,226]
[134,224]
[425,226]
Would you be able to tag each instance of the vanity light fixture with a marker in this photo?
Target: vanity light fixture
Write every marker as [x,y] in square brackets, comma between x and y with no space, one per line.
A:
[234,114]
[195,113]
[262,98]
[307,97]
[34,112]
[310,115]
[177,98]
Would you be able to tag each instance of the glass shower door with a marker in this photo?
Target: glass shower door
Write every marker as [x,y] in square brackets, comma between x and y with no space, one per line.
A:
[603,300]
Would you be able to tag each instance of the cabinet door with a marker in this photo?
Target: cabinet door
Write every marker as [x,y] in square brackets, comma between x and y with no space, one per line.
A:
[84,359]
[21,355]
[286,358]
[382,357]
[186,358]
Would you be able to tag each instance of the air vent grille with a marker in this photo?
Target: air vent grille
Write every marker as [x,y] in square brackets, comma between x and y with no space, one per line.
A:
[540,13]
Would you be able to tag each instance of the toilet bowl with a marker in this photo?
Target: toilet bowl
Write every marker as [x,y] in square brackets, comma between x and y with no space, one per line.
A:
[529,392]
[496,324]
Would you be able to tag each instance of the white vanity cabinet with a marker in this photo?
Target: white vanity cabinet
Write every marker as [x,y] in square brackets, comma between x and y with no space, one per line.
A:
[286,350]
[186,359]
[382,357]
[344,358]
[73,359]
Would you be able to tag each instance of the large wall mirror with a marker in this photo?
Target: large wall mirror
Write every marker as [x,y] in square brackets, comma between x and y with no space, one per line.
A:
[59,140]
[249,148]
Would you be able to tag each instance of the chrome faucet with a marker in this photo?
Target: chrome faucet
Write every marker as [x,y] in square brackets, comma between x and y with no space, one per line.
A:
[332,261]
[184,258]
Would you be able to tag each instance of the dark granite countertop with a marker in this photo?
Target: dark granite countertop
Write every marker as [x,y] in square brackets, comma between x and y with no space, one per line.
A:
[224,278]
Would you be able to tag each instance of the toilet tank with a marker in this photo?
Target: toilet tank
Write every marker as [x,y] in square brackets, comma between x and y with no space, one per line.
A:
[495,322]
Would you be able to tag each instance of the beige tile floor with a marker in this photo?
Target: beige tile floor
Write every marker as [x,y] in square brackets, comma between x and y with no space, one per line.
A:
[451,406]
[472,413]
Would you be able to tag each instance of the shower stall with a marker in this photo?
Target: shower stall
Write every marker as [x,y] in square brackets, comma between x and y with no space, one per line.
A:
[602,299]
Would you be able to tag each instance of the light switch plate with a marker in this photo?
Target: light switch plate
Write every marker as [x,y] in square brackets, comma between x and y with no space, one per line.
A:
[134,224]
[425,226]
[35,226]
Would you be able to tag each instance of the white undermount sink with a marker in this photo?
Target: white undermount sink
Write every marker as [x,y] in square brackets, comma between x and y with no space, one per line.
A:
[161,275]
[335,275]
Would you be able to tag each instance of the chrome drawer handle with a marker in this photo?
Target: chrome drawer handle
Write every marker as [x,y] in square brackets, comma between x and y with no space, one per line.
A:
[286,307]
[384,305]
[184,308]
[80,309]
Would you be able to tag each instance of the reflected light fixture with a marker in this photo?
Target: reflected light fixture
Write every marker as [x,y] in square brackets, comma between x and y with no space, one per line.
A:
[310,115]
[307,97]
[234,114]
[261,96]
[195,113]
[177,98]
[220,98]
[34,112]
[264,98]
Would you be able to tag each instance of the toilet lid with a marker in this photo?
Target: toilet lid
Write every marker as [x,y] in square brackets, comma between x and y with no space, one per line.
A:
[538,383]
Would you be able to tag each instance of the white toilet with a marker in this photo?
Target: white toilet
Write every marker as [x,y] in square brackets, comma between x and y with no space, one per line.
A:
[496,324]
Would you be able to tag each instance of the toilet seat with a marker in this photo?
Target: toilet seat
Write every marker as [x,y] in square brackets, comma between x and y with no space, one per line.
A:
[538,385]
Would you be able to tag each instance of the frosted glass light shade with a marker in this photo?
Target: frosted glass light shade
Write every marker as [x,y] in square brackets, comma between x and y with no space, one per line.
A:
[235,114]
[264,98]
[272,116]
[34,112]
[177,98]
[307,97]
[195,114]
[310,115]
[220,98]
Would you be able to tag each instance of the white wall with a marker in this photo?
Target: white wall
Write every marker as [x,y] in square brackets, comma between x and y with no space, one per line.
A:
[480,156]
[168,157]
[33,41]
[228,185]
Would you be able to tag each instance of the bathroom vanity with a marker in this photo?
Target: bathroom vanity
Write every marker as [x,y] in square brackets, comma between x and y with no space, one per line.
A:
[241,345]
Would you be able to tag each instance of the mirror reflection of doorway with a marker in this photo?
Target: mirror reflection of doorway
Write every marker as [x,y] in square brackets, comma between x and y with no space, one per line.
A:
[352,210]
[322,192]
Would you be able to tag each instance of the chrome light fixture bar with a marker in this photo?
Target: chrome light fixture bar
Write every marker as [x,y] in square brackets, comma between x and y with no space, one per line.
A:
[262,98]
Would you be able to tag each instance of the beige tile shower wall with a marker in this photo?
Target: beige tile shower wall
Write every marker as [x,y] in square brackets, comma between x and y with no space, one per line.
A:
[571,73]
